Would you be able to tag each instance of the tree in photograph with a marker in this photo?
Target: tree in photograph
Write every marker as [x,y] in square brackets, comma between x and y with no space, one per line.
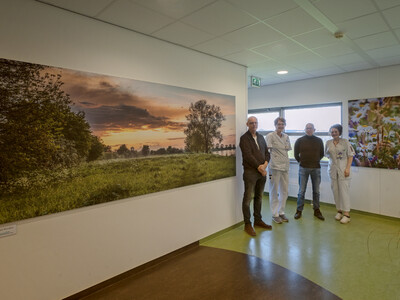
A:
[173,150]
[75,128]
[145,150]
[204,121]
[96,149]
[38,130]
[134,153]
[160,151]
[123,150]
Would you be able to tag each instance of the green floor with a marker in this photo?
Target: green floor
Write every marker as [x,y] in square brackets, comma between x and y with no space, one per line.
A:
[356,261]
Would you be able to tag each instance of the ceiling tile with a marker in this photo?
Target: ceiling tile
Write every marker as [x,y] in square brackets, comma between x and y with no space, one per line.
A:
[218,47]
[260,67]
[273,71]
[182,34]
[384,52]
[298,76]
[384,4]
[253,35]
[338,48]
[392,16]
[219,18]
[263,9]
[245,57]
[268,72]
[379,40]
[280,49]
[315,66]
[347,59]
[135,17]
[342,10]
[294,22]
[356,66]
[88,7]
[363,26]
[327,71]
[174,8]
[389,61]
[315,39]
[304,58]
[397,32]
[280,34]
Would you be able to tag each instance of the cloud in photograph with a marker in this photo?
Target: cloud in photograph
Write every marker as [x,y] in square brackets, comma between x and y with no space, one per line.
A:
[133,112]
[128,118]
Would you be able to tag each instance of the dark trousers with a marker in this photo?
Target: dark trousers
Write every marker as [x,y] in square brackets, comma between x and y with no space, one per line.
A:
[254,184]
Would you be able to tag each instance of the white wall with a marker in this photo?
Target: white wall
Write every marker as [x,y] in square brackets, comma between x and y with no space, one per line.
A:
[54,256]
[372,190]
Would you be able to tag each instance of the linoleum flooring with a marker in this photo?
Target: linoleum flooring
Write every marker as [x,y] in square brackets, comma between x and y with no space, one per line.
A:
[303,259]
[355,261]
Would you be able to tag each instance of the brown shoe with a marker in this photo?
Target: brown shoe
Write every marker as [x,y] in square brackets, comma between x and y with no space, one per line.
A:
[297,215]
[318,214]
[249,229]
[263,225]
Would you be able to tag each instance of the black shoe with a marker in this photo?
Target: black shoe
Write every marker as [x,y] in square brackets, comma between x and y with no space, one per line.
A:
[317,213]
[297,215]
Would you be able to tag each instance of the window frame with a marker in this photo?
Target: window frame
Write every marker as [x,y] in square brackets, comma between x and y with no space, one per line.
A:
[282,110]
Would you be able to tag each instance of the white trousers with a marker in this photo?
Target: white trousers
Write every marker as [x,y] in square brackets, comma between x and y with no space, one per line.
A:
[341,194]
[278,191]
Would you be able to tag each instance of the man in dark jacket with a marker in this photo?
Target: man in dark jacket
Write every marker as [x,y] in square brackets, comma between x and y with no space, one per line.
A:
[308,151]
[255,160]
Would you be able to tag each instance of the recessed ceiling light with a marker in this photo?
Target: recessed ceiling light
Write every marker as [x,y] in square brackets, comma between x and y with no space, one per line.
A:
[282,72]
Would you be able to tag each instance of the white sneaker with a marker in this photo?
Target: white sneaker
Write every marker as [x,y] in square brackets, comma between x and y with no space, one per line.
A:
[338,216]
[345,220]
[277,220]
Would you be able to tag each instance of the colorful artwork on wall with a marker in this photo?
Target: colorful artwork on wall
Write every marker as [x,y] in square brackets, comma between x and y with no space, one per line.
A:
[374,132]
[70,139]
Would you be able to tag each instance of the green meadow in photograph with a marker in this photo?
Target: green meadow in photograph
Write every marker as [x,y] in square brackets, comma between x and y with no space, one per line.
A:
[108,180]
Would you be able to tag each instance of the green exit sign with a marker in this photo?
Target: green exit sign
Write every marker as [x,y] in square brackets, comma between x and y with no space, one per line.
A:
[255,81]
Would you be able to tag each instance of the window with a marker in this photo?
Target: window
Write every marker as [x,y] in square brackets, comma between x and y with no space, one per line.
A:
[322,116]
[265,120]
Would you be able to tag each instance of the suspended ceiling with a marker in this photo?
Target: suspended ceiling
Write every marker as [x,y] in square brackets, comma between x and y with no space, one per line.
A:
[266,36]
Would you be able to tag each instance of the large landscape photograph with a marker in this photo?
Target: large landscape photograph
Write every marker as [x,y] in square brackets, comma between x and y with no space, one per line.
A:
[70,139]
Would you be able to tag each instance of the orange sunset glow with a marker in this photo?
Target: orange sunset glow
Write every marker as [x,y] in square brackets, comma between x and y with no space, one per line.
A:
[136,113]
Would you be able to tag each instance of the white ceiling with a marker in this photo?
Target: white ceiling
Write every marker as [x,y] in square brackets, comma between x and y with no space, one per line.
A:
[265,35]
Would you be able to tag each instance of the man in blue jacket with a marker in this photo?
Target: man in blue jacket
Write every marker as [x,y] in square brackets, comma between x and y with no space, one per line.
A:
[255,161]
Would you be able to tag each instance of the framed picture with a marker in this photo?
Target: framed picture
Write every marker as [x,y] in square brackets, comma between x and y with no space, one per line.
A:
[374,132]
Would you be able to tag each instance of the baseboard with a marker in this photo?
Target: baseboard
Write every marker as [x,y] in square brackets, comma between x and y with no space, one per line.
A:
[131,272]
[352,210]
[218,233]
